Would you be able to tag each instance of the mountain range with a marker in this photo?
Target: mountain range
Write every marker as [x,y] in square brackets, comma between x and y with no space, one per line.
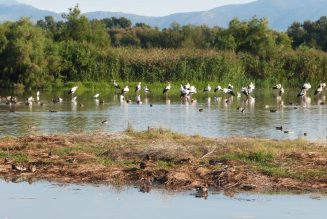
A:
[280,13]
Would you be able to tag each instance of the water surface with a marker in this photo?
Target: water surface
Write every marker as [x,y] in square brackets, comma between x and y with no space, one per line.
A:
[218,119]
[45,200]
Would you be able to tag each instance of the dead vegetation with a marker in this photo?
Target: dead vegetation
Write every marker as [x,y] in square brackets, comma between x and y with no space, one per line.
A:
[163,158]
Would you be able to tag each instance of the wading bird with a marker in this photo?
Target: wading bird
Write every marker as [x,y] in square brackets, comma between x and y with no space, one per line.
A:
[166,89]
[218,88]
[207,88]
[72,90]
[125,90]
[147,90]
[96,96]
[138,87]
[279,88]
[116,85]
[320,89]
[304,89]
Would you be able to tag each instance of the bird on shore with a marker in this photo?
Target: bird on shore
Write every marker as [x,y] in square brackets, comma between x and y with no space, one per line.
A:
[320,89]
[138,87]
[116,85]
[166,89]
[72,90]
[207,88]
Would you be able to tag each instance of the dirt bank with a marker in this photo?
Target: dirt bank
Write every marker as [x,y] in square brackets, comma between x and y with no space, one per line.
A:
[163,158]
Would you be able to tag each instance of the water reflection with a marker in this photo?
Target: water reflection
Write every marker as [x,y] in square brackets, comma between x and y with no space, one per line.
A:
[221,115]
[46,200]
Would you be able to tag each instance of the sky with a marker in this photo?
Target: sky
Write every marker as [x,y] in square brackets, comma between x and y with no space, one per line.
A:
[140,7]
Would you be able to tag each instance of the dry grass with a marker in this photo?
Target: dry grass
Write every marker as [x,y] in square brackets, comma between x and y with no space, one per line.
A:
[174,160]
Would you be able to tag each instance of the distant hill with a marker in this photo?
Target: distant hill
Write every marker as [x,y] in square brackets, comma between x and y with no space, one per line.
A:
[11,10]
[280,13]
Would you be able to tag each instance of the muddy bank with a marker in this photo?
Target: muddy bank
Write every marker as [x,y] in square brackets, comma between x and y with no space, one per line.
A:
[163,158]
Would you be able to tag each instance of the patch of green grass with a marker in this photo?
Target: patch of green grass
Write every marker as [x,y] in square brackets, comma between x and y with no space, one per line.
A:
[256,157]
[16,157]
[162,164]
[272,170]
[63,151]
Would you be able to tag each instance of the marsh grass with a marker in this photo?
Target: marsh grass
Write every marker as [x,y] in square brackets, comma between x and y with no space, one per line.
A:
[170,151]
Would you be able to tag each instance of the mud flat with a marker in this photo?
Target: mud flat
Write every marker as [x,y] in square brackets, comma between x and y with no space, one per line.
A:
[166,159]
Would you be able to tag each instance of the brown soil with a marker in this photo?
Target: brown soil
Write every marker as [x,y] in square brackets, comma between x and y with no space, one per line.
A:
[162,158]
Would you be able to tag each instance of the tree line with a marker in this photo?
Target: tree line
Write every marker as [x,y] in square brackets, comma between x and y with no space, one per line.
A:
[51,52]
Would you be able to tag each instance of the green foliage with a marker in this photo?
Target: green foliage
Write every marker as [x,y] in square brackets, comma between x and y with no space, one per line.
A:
[50,53]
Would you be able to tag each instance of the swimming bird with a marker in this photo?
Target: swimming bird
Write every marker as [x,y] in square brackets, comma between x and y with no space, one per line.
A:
[72,90]
[218,88]
[166,89]
[138,87]
[125,90]
[207,88]
[280,89]
[320,88]
[116,85]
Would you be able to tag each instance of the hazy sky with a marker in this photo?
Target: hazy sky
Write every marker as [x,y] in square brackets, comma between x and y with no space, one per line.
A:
[141,7]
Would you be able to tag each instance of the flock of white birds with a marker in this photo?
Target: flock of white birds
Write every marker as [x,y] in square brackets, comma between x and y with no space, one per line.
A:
[186,92]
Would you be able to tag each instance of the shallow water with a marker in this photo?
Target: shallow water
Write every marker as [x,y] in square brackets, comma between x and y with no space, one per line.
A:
[218,119]
[46,200]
